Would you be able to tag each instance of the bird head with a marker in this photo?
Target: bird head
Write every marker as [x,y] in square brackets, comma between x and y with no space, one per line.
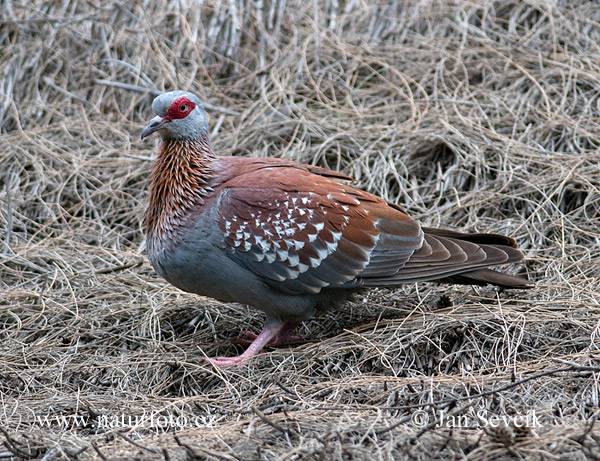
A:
[178,115]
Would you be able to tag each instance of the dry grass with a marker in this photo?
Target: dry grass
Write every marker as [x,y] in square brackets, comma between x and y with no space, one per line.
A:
[475,115]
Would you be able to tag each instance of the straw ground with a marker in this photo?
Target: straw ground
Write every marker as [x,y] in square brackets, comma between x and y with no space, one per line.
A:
[477,116]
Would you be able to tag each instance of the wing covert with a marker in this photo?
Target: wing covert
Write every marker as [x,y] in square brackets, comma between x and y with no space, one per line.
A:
[301,232]
[298,231]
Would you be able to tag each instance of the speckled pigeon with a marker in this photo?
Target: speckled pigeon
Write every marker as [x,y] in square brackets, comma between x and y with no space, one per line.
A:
[289,239]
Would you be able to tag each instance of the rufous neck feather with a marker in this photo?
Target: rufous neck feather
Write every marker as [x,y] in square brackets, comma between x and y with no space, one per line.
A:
[178,182]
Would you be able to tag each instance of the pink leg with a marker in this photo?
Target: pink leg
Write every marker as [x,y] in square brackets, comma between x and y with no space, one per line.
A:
[266,335]
[283,337]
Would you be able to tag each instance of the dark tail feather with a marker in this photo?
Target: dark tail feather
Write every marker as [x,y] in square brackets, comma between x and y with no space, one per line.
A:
[485,276]
[481,239]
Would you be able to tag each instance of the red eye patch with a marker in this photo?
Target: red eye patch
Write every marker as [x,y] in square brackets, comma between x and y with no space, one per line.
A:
[180,108]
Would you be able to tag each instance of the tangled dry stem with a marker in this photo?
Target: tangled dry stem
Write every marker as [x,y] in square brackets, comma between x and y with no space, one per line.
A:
[474,115]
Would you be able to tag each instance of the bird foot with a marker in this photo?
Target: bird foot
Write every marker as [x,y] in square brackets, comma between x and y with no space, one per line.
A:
[272,335]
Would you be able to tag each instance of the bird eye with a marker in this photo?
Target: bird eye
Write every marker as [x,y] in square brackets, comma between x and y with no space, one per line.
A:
[183,107]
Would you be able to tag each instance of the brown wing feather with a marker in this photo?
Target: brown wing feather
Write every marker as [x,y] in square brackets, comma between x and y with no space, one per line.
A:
[300,232]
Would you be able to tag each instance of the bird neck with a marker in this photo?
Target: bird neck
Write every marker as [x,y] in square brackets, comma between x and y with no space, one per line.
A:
[180,178]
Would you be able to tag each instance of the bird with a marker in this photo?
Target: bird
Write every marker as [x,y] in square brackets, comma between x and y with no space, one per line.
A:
[289,239]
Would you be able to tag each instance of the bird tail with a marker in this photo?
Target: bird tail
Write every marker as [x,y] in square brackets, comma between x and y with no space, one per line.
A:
[488,276]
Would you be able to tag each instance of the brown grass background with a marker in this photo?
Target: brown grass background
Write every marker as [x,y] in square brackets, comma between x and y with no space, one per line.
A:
[477,116]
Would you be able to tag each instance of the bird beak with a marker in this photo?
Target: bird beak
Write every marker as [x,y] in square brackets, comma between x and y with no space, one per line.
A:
[154,125]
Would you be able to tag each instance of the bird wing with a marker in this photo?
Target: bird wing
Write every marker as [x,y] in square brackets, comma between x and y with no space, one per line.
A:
[442,256]
[301,231]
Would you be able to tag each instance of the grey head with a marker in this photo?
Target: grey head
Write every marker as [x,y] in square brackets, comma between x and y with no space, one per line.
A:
[178,115]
